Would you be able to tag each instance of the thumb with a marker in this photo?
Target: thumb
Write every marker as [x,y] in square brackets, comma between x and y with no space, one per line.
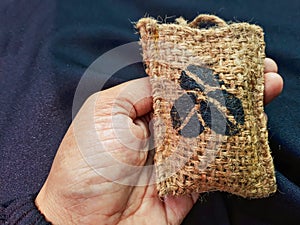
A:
[107,134]
[133,98]
[128,104]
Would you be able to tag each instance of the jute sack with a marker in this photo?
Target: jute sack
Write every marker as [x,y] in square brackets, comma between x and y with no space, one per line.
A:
[209,125]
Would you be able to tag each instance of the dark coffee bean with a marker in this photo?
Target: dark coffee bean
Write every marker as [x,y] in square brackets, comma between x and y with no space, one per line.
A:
[235,107]
[188,83]
[231,129]
[232,103]
[193,128]
[181,108]
[205,74]
[193,97]
[204,110]
[213,117]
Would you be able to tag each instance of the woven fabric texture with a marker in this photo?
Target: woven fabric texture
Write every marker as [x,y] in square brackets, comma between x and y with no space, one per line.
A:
[209,125]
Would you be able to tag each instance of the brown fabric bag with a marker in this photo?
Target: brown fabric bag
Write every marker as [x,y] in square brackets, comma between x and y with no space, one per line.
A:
[209,125]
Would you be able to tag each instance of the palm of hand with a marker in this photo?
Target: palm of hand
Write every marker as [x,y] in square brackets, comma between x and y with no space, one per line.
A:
[99,166]
[132,192]
[141,204]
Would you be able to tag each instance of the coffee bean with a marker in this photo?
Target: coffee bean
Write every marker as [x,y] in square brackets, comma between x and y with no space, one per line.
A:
[213,117]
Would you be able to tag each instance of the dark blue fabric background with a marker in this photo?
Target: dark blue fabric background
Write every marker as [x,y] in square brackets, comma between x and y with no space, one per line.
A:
[45,47]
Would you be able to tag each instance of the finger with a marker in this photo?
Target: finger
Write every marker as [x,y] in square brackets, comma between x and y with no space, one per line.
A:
[266,117]
[177,207]
[273,86]
[270,66]
[134,98]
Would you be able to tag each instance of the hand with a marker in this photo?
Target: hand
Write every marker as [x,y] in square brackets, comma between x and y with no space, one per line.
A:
[90,181]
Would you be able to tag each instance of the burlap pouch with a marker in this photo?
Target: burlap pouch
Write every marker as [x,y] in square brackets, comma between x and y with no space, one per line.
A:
[209,125]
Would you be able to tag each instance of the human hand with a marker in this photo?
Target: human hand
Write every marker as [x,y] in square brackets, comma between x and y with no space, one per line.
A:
[91,182]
